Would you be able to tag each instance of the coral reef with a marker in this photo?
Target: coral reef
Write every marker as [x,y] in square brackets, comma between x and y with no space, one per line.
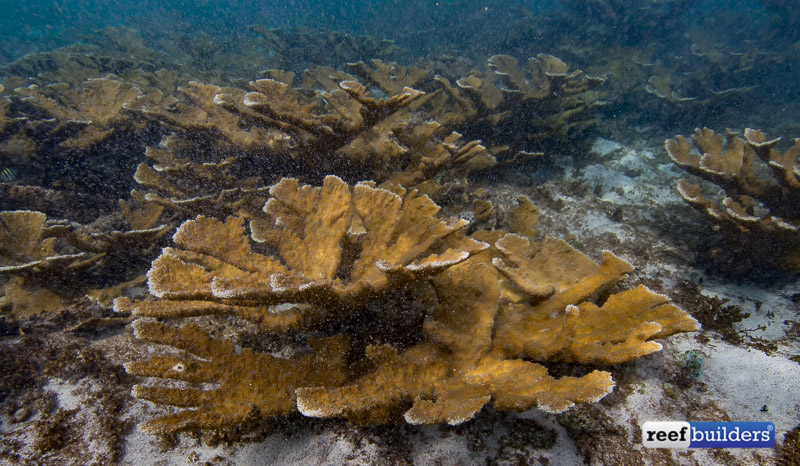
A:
[273,126]
[115,51]
[229,160]
[51,261]
[28,243]
[249,383]
[127,52]
[285,289]
[710,74]
[236,141]
[217,271]
[701,74]
[341,259]
[28,251]
[759,213]
[342,130]
[94,109]
[58,136]
[529,107]
[538,104]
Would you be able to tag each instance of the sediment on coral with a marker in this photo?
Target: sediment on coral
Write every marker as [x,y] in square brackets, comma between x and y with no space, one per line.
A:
[418,321]
[758,215]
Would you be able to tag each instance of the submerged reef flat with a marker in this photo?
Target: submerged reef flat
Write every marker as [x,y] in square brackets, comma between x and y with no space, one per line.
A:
[308,247]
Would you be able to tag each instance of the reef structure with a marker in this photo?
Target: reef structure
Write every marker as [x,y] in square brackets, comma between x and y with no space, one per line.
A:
[403,315]
[760,210]
[49,262]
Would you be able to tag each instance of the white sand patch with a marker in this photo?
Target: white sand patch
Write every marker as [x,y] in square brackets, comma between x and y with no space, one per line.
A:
[770,308]
[433,448]
[564,451]
[278,449]
[631,177]
[739,381]
[743,380]
[70,396]
[84,438]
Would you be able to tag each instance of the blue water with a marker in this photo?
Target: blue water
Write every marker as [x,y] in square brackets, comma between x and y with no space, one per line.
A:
[39,25]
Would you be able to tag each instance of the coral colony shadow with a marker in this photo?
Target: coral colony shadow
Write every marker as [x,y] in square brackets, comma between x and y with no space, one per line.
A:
[249,220]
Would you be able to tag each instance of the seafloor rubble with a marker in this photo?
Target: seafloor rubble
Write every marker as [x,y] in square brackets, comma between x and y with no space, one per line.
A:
[361,259]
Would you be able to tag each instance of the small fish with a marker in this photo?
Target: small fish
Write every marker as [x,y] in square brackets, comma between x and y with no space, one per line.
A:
[8,174]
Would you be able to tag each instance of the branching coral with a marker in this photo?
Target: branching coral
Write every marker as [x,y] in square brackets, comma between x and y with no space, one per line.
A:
[313,229]
[331,124]
[556,318]
[249,384]
[540,102]
[393,312]
[59,136]
[510,108]
[5,106]
[94,109]
[273,126]
[27,243]
[49,260]
[342,257]
[28,251]
[118,51]
[450,378]
[391,78]
[183,186]
[476,339]
[759,213]
[277,121]
[707,76]
[282,130]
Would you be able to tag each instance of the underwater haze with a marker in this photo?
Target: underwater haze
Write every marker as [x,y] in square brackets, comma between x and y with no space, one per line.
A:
[398,232]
